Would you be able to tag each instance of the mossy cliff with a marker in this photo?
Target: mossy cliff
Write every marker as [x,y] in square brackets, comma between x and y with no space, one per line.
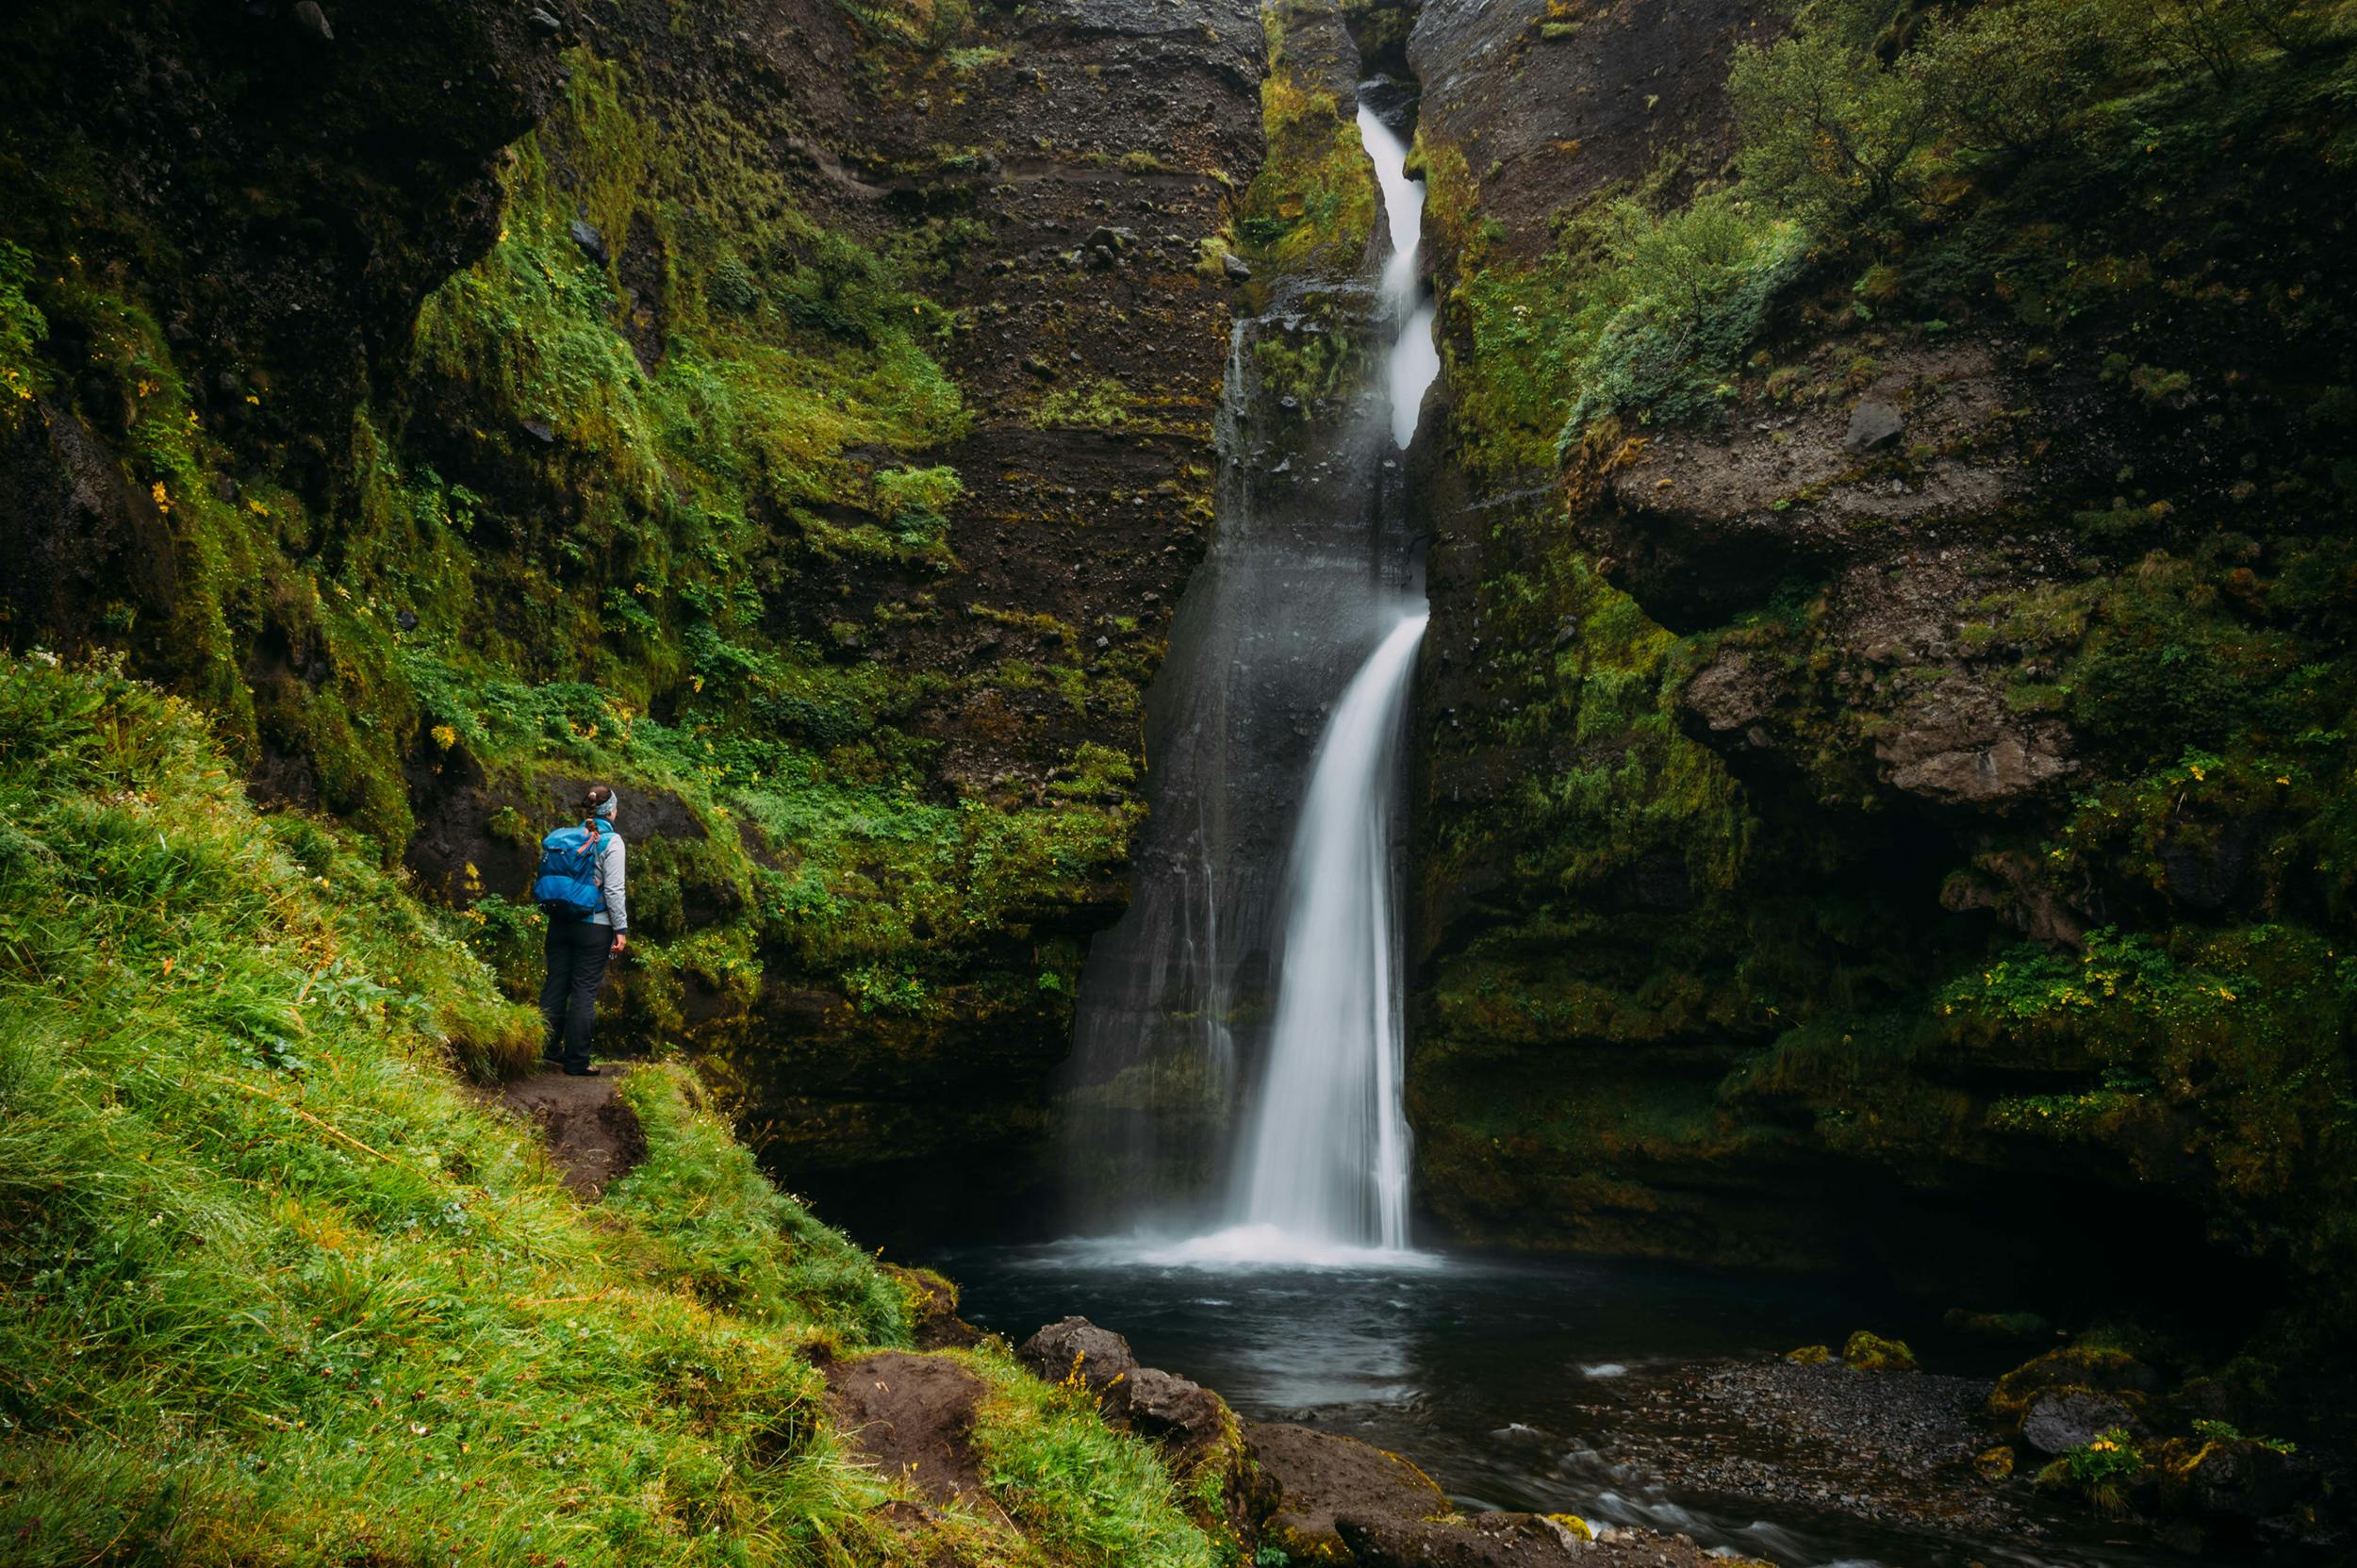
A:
[1884,763]
[800,420]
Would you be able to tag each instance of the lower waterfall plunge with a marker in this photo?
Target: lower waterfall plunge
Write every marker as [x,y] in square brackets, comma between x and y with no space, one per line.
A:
[1325,1163]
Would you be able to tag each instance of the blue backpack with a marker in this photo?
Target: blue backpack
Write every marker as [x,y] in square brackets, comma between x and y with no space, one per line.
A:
[567,887]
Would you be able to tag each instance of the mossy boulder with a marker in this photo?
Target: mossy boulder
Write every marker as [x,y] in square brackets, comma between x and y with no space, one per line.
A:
[1869,1352]
[1810,1355]
[2232,1476]
[2098,1373]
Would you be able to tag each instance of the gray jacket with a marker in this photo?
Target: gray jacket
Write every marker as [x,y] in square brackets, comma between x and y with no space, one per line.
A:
[611,862]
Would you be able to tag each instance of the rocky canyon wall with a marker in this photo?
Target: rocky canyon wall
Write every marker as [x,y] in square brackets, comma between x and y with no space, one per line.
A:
[1882,769]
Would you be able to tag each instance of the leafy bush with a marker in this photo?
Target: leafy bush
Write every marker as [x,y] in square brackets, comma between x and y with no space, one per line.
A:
[1694,286]
[2099,1470]
[2013,77]
[22,329]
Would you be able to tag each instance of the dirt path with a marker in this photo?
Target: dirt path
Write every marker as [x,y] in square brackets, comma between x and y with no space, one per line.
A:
[912,1416]
[594,1137]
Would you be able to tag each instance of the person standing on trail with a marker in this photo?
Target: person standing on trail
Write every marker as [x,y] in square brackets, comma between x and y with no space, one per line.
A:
[580,887]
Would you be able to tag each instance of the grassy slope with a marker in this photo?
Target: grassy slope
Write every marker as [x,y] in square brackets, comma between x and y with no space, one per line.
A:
[274,1289]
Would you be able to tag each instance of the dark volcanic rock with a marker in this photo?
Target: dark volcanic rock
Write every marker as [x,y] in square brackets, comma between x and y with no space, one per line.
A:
[1558,119]
[1076,1348]
[2069,1417]
[1321,1476]
[1337,1500]
[1175,1410]
[1872,422]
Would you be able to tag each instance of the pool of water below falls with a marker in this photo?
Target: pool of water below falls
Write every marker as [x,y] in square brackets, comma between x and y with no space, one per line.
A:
[1548,1387]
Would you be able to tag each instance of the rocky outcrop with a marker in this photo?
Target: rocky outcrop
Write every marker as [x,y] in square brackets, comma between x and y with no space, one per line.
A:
[1549,105]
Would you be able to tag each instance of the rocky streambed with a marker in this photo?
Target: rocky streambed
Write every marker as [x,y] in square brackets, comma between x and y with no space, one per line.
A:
[1649,1403]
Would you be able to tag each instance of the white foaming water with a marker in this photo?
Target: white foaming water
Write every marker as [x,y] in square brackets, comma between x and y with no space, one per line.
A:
[1239,1249]
[1327,1163]
[1415,360]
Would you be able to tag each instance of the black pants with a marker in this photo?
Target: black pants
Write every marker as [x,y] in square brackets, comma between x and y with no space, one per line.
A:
[577,951]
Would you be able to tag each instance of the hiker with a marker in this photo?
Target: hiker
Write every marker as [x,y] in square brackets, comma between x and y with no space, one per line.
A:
[580,887]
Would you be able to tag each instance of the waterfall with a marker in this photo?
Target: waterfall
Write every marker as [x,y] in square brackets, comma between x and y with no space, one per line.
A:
[1327,1158]
[1322,1173]
[1415,358]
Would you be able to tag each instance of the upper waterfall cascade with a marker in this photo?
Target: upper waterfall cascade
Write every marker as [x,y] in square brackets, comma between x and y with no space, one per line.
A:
[1415,358]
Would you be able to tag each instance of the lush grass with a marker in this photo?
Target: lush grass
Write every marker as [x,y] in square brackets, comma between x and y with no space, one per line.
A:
[1068,1479]
[274,1289]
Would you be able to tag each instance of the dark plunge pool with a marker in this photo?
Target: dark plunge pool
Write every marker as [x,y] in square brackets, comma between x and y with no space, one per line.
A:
[1612,1391]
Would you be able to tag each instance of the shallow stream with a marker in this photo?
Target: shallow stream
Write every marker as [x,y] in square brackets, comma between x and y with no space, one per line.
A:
[1560,1387]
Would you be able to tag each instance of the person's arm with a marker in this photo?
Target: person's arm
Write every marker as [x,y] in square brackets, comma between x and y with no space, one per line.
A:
[610,884]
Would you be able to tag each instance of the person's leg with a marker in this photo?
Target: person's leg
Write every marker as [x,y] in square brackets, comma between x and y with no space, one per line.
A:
[592,945]
[558,952]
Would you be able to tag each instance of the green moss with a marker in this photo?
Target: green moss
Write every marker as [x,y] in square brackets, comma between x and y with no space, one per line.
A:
[1869,1352]
[1314,200]
[1097,400]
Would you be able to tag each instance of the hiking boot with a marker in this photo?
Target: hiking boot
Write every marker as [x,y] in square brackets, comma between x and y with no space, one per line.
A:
[583,1072]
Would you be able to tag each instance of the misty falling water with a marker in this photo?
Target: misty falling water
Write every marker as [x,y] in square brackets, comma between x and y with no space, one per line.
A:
[1240,1036]
[1324,1166]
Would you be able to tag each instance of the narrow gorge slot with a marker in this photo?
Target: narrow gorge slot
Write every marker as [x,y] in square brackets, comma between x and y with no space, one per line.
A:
[1324,1163]
[1308,615]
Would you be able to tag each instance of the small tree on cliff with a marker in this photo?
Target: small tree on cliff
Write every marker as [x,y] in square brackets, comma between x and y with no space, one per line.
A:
[1829,131]
[2013,78]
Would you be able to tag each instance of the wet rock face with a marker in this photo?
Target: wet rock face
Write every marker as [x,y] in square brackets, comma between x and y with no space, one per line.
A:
[246,140]
[1886,509]
[1086,160]
[74,529]
[1548,111]
[1704,522]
